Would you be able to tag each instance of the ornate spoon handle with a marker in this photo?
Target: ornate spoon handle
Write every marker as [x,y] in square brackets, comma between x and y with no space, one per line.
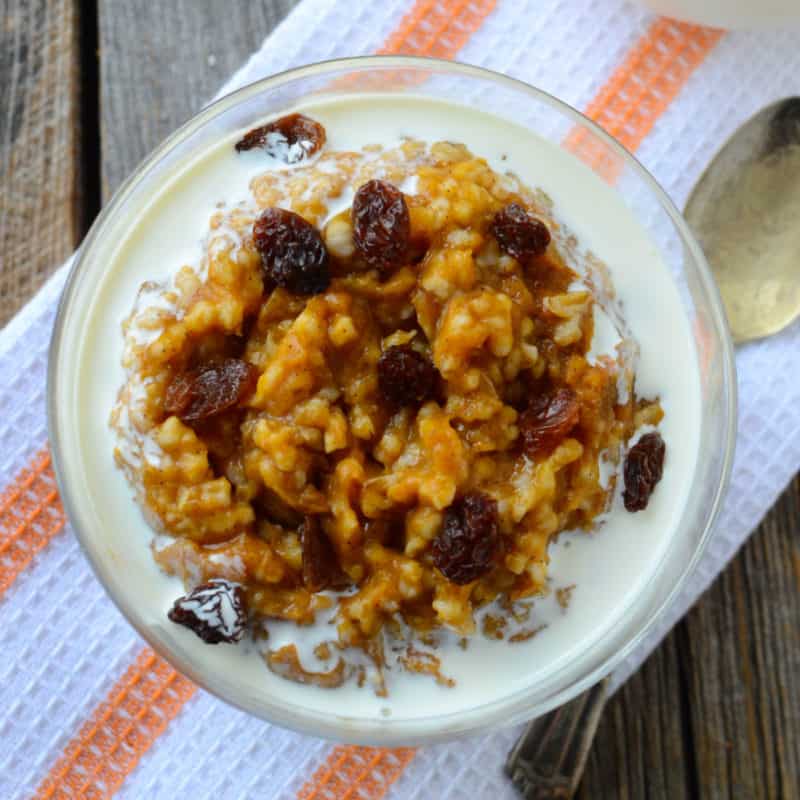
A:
[548,760]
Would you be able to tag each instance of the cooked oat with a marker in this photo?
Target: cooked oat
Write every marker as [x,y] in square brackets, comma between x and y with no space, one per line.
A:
[316,439]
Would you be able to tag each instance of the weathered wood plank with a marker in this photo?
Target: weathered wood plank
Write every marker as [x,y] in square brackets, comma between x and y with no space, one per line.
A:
[743,663]
[640,749]
[41,214]
[161,61]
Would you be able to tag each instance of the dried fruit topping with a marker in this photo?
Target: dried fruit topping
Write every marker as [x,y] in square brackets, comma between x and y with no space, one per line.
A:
[644,465]
[381,225]
[292,252]
[289,139]
[406,377]
[547,420]
[209,389]
[215,611]
[320,565]
[519,234]
[465,547]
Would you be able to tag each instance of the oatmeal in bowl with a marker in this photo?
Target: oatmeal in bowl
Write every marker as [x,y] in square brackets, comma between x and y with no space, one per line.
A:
[374,403]
[382,416]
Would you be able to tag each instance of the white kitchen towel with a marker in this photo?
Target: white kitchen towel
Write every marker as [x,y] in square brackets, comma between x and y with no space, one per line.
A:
[84,710]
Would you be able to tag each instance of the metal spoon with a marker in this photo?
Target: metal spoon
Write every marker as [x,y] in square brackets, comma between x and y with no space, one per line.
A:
[745,211]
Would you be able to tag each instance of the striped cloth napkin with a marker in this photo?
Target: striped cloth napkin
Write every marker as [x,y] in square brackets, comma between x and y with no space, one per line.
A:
[86,710]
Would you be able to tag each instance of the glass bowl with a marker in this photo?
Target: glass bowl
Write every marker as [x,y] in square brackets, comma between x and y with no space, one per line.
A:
[86,494]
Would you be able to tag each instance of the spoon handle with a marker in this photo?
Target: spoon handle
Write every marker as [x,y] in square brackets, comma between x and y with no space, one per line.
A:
[547,761]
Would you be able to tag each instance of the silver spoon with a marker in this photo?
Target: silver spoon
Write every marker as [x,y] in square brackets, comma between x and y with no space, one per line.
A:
[745,211]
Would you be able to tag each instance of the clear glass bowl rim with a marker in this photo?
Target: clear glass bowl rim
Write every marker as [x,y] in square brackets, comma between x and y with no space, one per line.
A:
[516,707]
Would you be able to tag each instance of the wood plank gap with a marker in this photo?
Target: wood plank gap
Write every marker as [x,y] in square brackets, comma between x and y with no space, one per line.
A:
[89,110]
[688,739]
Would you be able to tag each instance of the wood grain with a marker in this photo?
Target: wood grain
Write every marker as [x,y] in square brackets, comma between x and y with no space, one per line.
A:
[160,62]
[640,749]
[743,662]
[41,213]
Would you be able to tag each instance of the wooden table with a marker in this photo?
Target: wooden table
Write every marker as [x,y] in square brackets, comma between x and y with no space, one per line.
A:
[87,89]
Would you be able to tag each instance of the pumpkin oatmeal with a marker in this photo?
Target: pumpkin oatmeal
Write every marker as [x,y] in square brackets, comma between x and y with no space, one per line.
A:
[383,414]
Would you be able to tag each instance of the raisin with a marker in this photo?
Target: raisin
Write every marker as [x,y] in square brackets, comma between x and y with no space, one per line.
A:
[465,547]
[519,234]
[289,139]
[320,565]
[381,225]
[547,420]
[644,465]
[271,506]
[389,531]
[406,377]
[293,254]
[215,611]
[209,389]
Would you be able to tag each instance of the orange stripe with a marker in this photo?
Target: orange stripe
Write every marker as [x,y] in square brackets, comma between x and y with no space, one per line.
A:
[642,88]
[650,78]
[120,731]
[30,516]
[362,772]
[438,29]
